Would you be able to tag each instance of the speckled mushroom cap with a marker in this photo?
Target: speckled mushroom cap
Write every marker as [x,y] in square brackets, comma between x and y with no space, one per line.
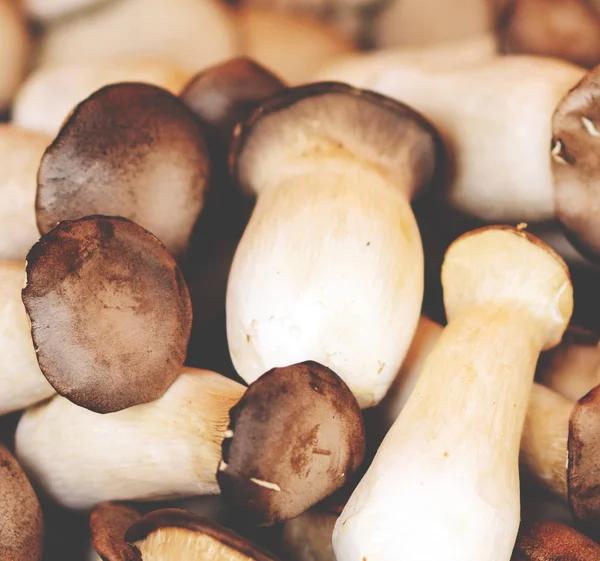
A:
[295,437]
[131,150]
[21,522]
[576,164]
[110,312]
[108,523]
[178,535]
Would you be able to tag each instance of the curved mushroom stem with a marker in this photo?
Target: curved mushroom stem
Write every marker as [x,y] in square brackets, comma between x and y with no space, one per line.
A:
[21,381]
[168,448]
[453,452]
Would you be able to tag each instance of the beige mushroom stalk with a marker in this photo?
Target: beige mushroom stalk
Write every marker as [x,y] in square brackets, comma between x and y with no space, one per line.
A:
[165,449]
[330,267]
[21,381]
[496,119]
[21,522]
[20,155]
[48,95]
[452,455]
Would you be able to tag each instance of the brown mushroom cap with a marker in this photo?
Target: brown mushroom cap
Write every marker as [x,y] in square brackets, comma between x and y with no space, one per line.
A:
[108,524]
[548,540]
[178,534]
[21,522]
[299,125]
[295,437]
[583,475]
[565,29]
[576,164]
[131,150]
[110,312]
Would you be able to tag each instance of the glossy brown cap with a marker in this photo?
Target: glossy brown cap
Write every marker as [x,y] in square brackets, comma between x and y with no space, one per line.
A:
[110,312]
[548,540]
[576,164]
[108,523]
[181,535]
[21,522]
[300,125]
[564,29]
[131,150]
[583,470]
[295,437]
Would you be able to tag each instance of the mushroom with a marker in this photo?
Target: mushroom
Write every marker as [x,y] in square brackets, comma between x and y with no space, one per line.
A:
[308,536]
[296,436]
[547,540]
[452,454]
[21,522]
[20,155]
[177,534]
[47,11]
[110,312]
[46,98]
[165,449]
[496,119]
[108,523]
[14,50]
[189,33]
[131,150]
[346,290]
[21,382]
[565,29]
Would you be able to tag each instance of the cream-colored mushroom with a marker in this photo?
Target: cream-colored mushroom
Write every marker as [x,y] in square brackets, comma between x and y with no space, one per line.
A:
[190,33]
[452,455]
[49,94]
[20,155]
[21,381]
[165,449]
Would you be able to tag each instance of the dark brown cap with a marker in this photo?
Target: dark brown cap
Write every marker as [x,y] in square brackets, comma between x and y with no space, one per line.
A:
[108,523]
[331,118]
[183,536]
[295,437]
[110,312]
[131,150]
[21,522]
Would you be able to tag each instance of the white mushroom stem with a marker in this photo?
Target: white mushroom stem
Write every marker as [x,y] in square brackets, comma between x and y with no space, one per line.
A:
[21,381]
[496,120]
[451,458]
[160,450]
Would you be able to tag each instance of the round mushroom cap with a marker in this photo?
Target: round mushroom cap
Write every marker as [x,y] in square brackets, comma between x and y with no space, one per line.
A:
[176,534]
[583,476]
[298,126]
[131,150]
[295,437]
[108,523]
[21,522]
[509,266]
[576,164]
[110,312]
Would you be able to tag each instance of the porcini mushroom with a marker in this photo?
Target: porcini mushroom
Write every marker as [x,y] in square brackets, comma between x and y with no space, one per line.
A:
[452,454]
[131,150]
[108,523]
[20,154]
[295,437]
[21,382]
[48,95]
[110,312]
[164,449]
[346,163]
[21,522]
[177,534]
[308,536]
[14,50]
[496,119]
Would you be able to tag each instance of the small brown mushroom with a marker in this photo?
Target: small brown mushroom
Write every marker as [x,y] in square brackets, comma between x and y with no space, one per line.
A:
[110,312]
[295,437]
[547,540]
[108,523]
[177,534]
[132,150]
[21,522]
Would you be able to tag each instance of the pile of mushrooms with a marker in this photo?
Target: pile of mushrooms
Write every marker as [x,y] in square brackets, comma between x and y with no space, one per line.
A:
[301,281]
